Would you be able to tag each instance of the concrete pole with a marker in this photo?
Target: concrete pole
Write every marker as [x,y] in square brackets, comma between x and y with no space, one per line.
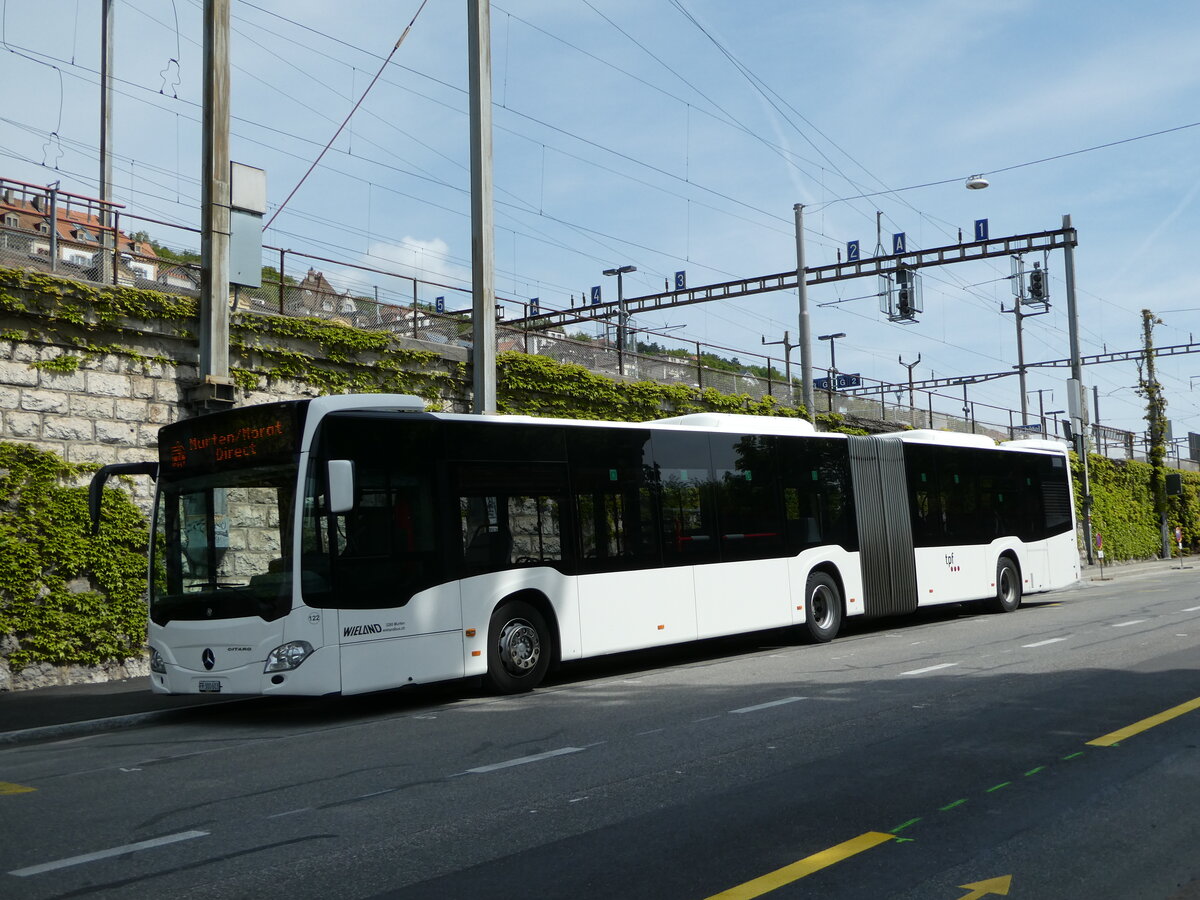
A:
[214,199]
[1019,317]
[1077,374]
[108,243]
[805,334]
[483,274]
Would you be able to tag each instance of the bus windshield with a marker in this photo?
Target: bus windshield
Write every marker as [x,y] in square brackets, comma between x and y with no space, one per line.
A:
[223,545]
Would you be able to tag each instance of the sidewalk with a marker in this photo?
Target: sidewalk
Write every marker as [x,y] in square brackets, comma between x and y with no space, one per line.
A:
[73,710]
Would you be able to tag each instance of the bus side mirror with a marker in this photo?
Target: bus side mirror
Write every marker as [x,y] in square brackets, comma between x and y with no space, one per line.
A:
[341,485]
[96,488]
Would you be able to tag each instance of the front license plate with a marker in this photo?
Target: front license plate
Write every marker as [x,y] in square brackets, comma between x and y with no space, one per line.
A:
[210,687]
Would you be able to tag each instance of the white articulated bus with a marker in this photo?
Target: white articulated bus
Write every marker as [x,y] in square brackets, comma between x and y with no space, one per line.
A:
[356,543]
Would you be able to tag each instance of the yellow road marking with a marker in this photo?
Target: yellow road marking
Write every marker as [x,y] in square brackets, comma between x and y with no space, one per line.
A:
[802,867]
[991,886]
[7,787]
[1145,725]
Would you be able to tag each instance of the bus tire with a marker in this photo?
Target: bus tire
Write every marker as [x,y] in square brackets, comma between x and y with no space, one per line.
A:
[822,609]
[1008,587]
[519,648]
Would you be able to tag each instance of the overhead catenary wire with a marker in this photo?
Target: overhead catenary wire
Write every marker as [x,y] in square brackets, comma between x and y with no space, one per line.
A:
[350,114]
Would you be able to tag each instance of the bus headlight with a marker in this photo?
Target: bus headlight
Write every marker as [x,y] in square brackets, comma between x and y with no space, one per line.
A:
[157,664]
[287,656]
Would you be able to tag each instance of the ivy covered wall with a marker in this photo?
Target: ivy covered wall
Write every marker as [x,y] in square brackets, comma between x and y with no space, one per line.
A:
[1123,508]
[67,598]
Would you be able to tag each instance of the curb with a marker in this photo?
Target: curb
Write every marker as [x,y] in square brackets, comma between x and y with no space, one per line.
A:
[44,733]
[78,729]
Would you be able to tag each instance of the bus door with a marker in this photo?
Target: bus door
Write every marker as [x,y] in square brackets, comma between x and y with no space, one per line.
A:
[751,589]
[636,588]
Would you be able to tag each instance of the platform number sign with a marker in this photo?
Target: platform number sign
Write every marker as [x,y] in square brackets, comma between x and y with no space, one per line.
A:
[981,229]
[596,295]
[680,281]
[852,251]
[439,305]
[898,244]
[533,306]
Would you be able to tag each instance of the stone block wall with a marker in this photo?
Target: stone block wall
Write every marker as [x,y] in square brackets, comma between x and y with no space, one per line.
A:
[95,387]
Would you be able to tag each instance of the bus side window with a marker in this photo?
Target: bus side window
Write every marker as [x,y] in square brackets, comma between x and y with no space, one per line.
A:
[536,529]
[487,542]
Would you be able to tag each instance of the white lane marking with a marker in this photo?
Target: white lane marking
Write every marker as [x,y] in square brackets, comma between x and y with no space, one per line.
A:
[1130,622]
[750,709]
[929,669]
[105,854]
[1043,643]
[523,760]
[291,812]
[1192,609]
[651,731]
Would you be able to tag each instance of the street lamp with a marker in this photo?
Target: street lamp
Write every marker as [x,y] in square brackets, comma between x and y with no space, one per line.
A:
[832,338]
[622,270]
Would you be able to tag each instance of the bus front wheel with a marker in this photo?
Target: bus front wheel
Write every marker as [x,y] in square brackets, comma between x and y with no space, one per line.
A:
[1008,587]
[822,609]
[519,648]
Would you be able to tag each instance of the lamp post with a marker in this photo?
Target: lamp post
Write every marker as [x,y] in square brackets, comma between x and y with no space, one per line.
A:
[788,346]
[620,313]
[832,338]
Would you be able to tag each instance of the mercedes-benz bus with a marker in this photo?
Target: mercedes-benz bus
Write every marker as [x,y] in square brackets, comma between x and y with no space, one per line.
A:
[347,544]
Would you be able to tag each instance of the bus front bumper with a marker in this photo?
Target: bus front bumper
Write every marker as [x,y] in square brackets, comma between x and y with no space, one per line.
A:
[319,674]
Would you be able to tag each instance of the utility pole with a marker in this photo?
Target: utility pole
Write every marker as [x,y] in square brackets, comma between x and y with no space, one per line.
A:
[910,367]
[483,250]
[805,333]
[788,346]
[216,387]
[108,242]
[1018,316]
[622,316]
[1077,375]
[1157,420]
[967,408]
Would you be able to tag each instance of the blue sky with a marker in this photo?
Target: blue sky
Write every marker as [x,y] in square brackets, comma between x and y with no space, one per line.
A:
[678,135]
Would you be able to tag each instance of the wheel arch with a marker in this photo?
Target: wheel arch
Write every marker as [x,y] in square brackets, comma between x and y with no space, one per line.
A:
[539,601]
[1014,556]
[831,569]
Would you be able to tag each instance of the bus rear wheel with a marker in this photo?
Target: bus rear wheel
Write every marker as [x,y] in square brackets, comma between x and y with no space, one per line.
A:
[519,648]
[1008,587]
[822,609]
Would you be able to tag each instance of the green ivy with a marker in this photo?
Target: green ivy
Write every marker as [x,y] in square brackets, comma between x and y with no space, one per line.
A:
[538,386]
[65,363]
[66,596]
[1123,507]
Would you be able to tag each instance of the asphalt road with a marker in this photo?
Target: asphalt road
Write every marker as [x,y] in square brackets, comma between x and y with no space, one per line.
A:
[950,755]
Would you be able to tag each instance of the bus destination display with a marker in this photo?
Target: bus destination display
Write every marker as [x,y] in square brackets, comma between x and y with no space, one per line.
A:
[260,435]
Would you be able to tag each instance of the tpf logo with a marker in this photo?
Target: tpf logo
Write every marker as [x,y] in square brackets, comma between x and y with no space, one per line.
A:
[208,658]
